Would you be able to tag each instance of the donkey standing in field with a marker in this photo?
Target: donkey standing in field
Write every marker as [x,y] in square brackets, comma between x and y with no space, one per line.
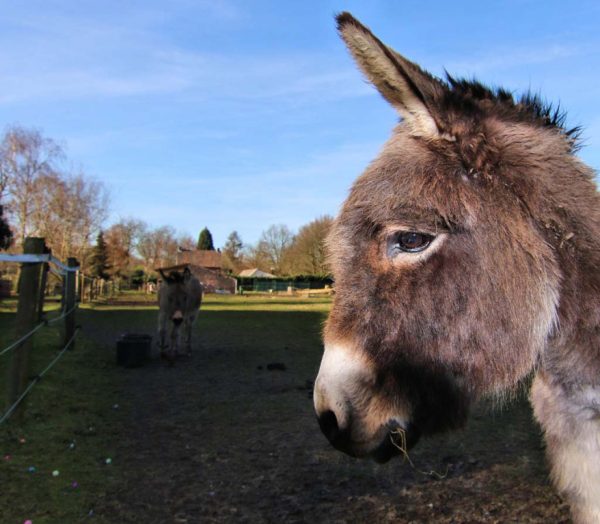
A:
[466,257]
[179,299]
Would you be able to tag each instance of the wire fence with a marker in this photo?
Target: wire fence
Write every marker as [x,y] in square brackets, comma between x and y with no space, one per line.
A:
[36,262]
[20,341]
[63,315]
[36,379]
[62,271]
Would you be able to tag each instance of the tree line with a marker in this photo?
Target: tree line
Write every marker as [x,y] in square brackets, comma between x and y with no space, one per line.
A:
[40,196]
[280,251]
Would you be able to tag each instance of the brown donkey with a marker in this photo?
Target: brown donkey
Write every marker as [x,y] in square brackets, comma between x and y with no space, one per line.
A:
[465,258]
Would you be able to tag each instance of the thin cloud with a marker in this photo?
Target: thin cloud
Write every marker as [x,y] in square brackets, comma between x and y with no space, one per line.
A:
[58,57]
[516,56]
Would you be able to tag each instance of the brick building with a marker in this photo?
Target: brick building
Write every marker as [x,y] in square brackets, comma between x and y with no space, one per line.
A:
[207,267]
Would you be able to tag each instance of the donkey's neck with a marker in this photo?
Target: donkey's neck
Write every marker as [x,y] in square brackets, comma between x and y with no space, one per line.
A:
[566,391]
[572,357]
[571,422]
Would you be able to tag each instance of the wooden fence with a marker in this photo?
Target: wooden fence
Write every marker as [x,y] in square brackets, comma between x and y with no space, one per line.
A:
[36,261]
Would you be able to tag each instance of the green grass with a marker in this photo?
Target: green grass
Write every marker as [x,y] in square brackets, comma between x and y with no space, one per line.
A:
[74,402]
[64,428]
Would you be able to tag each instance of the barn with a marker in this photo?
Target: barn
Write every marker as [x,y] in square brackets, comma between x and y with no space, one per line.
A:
[207,267]
[255,273]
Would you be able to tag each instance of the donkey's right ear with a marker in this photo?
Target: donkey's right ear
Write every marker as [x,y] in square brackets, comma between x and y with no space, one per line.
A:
[164,277]
[401,82]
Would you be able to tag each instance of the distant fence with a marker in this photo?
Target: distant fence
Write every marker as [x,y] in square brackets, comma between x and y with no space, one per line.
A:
[36,262]
[266,285]
[90,289]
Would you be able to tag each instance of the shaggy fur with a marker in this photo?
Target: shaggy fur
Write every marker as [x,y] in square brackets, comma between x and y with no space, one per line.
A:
[513,288]
[179,299]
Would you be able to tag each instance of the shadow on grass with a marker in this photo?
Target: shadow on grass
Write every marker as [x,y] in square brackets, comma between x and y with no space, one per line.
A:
[220,438]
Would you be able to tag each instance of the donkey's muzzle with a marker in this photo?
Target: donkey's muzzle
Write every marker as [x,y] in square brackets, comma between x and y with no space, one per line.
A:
[177,321]
[398,440]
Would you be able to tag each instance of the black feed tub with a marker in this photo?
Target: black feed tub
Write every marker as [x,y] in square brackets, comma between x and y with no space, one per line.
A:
[133,349]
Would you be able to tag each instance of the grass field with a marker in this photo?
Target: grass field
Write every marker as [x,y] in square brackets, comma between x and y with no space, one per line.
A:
[75,402]
[64,429]
[220,438]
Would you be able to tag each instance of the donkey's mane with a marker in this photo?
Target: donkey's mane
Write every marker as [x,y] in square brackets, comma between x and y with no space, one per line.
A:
[465,96]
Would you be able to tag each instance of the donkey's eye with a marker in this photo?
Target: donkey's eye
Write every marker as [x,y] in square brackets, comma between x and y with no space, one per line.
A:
[408,242]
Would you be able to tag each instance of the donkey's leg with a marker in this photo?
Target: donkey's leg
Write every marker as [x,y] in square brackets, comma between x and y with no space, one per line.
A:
[162,331]
[173,342]
[571,423]
[187,334]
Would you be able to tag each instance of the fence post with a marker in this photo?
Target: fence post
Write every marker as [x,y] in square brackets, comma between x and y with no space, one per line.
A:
[77,287]
[70,284]
[27,317]
[81,287]
[44,280]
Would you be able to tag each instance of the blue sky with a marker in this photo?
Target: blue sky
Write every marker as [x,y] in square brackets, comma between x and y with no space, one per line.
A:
[242,114]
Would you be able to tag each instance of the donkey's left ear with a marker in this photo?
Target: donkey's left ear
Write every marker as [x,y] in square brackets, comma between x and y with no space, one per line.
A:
[401,82]
[187,274]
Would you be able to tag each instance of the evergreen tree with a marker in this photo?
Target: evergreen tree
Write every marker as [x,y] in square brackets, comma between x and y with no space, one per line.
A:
[205,240]
[6,235]
[99,263]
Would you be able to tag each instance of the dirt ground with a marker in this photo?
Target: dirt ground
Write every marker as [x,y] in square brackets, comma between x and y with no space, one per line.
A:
[221,438]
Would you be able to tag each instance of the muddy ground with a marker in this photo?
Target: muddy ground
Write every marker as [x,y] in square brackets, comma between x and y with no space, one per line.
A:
[223,439]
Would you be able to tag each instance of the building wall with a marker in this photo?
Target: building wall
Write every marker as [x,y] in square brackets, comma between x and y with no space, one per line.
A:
[213,281]
[202,258]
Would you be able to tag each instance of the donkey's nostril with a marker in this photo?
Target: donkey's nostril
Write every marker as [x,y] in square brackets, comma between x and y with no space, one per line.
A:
[329,425]
[339,437]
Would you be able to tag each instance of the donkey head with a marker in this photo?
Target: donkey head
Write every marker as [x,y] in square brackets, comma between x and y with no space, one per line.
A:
[173,295]
[444,255]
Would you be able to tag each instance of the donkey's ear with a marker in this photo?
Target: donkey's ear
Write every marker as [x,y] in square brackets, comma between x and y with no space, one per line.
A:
[401,82]
[187,274]
[164,277]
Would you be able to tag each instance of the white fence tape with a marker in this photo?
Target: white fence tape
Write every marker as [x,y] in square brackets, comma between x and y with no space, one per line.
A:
[59,264]
[32,259]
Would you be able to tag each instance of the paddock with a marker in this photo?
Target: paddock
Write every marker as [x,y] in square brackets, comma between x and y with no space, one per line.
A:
[223,438]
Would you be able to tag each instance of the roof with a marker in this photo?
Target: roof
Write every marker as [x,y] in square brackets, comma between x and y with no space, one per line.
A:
[256,273]
[202,258]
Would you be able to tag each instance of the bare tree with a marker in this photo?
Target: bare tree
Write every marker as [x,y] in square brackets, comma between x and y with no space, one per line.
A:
[253,256]
[307,253]
[273,245]
[186,242]
[158,247]
[81,207]
[25,156]
[121,240]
